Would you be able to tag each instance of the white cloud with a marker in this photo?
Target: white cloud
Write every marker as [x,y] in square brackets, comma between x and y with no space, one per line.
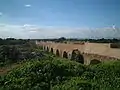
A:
[27,5]
[1,13]
[33,31]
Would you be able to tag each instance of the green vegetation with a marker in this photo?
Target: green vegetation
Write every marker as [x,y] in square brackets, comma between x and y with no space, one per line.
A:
[62,74]
[104,76]
[12,41]
[13,53]
[41,70]
[76,83]
[41,74]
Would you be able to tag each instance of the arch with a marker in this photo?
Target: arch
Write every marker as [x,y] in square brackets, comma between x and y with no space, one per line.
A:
[69,56]
[95,61]
[51,50]
[65,55]
[44,47]
[48,49]
[77,56]
[57,53]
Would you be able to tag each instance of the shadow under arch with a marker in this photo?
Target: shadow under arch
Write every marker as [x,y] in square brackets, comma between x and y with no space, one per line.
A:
[94,61]
[47,49]
[57,53]
[43,47]
[77,56]
[51,50]
[65,55]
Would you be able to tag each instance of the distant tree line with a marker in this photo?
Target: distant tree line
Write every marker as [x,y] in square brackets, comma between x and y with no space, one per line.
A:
[102,40]
[12,41]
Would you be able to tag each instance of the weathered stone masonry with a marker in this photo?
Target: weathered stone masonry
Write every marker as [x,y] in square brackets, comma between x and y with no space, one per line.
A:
[91,52]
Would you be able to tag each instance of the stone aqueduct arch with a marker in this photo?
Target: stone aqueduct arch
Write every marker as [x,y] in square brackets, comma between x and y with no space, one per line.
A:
[57,52]
[48,49]
[91,53]
[51,50]
[75,55]
[95,61]
[65,54]
[70,55]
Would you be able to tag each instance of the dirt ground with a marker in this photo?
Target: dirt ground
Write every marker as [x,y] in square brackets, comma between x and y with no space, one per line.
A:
[6,69]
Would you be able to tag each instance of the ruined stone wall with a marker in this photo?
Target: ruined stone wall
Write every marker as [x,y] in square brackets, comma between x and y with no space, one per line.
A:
[89,57]
[90,51]
[102,49]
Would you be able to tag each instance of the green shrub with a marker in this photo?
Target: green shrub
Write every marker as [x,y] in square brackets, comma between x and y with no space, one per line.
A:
[42,74]
[106,75]
[76,83]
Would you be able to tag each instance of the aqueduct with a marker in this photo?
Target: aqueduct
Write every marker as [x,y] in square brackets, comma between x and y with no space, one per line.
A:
[87,53]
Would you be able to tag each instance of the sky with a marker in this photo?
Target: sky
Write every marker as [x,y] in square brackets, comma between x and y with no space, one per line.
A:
[60,18]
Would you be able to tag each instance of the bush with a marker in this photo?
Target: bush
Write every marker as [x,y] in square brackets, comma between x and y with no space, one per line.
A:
[76,83]
[106,75]
[42,74]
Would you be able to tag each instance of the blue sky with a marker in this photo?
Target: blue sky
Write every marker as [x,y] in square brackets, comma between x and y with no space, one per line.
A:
[61,17]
